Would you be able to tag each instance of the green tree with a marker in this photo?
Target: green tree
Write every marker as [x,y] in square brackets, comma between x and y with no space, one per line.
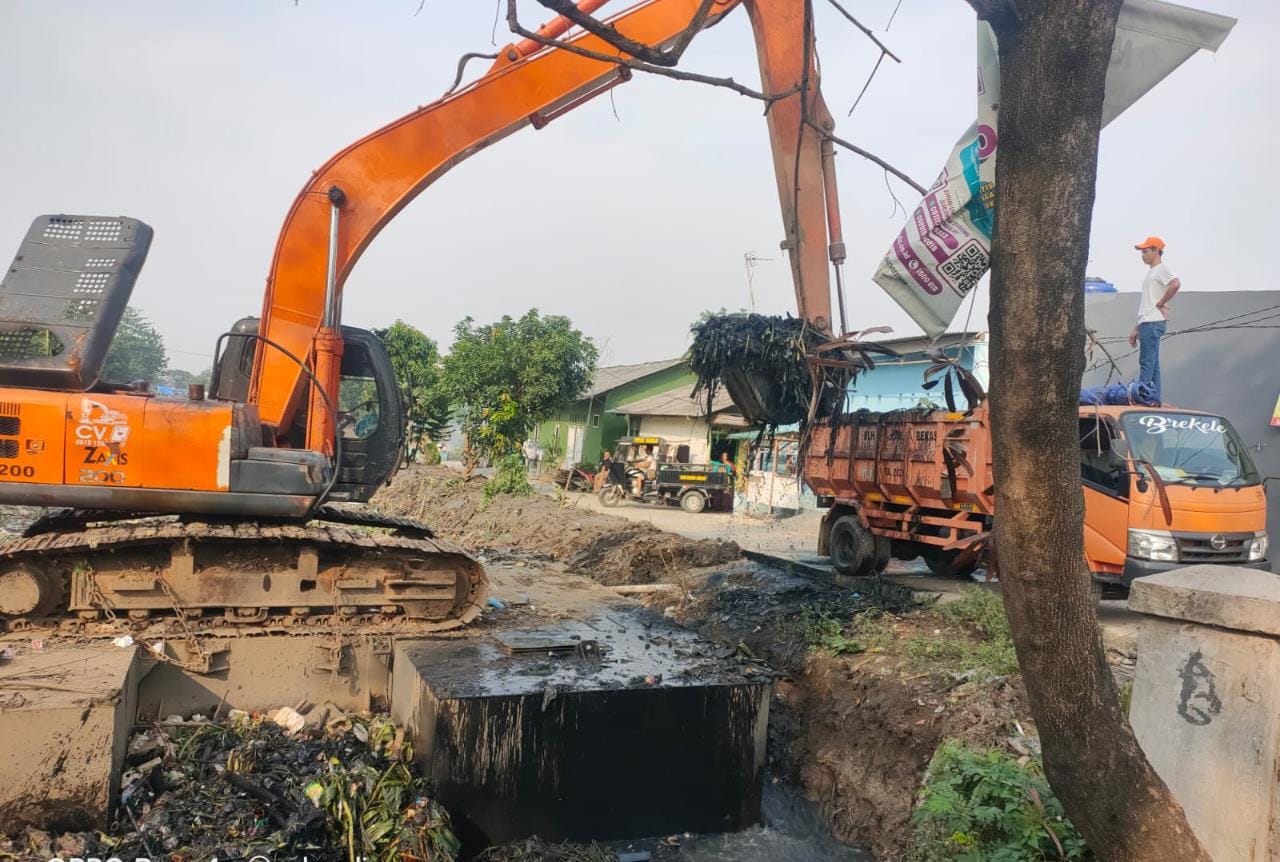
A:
[137,351]
[512,374]
[181,379]
[419,373]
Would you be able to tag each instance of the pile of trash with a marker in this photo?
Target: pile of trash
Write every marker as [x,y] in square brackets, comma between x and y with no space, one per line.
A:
[270,785]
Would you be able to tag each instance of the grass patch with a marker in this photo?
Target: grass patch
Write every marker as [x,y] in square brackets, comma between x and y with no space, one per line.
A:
[971,637]
[824,633]
[983,608]
[981,805]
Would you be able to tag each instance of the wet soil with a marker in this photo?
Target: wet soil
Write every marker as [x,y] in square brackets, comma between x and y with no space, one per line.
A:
[852,733]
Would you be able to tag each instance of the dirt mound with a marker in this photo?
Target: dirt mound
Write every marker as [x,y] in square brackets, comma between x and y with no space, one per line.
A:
[610,550]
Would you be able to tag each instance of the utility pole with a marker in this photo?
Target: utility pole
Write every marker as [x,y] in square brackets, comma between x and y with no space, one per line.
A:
[751,259]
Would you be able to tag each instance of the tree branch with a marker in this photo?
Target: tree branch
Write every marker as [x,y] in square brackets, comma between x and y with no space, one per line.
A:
[639,50]
[1002,15]
[865,30]
[872,157]
[513,23]
[863,91]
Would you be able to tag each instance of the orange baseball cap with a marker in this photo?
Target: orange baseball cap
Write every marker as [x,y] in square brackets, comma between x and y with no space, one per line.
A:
[1151,242]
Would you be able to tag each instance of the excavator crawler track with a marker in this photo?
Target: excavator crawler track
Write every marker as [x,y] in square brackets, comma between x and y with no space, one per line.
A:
[102,572]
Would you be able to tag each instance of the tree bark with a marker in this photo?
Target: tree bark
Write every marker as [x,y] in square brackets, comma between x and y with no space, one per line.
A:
[1053,60]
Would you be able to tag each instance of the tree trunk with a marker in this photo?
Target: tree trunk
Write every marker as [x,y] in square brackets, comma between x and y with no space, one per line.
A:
[1053,59]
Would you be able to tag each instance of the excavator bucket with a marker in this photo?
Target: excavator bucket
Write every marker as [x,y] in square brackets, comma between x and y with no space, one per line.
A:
[63,296]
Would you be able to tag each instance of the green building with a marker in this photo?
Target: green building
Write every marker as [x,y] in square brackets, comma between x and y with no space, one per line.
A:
[586,427]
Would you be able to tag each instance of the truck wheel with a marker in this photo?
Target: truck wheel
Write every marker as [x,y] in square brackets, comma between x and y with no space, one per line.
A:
[943,564]
[852,547]
[610,495]
[883,551]
[693,502]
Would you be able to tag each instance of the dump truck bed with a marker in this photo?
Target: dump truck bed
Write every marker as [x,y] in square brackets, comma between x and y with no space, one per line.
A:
[930,459]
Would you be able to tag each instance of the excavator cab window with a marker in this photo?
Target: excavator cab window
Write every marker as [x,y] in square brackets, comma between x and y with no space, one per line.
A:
[370,415]
[358,397]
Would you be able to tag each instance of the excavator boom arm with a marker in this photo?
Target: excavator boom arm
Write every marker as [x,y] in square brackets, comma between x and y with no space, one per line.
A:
[349,199]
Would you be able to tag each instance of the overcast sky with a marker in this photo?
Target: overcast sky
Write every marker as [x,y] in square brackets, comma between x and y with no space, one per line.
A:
[205,119]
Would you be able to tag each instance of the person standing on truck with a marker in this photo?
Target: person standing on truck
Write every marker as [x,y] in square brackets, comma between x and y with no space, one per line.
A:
[1158,289]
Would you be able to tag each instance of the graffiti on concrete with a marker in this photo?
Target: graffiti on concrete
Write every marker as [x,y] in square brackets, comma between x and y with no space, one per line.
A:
[1199,702]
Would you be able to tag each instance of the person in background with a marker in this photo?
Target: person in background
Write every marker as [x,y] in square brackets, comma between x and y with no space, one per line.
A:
[1158,289]
[602,475]
[637,471]
[724,464]
[652,462]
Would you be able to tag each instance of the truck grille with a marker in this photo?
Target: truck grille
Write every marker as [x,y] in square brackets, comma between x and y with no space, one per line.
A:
[1213,547]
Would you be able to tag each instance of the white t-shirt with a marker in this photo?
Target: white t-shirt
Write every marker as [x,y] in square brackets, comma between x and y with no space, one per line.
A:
[1153,287]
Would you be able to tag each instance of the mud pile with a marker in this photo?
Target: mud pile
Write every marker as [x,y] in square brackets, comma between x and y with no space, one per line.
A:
[610,550]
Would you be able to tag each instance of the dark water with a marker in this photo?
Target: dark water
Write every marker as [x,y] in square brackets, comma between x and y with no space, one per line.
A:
[793,831]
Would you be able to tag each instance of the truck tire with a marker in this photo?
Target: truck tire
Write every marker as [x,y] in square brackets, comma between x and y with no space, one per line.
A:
[883,552]
[943,564]
[610,495]
[852,547]
[693,502]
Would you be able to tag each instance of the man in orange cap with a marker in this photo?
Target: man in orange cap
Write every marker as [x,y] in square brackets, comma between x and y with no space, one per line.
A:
[1158,288]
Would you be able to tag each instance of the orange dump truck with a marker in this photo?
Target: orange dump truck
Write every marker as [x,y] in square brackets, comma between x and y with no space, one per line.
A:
[1163,488]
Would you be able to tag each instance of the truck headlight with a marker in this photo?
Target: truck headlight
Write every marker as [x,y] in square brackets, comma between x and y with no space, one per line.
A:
[1153,545]
[1258,547]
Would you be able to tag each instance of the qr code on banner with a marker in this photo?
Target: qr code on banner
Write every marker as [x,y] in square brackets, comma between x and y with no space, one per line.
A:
[965,267]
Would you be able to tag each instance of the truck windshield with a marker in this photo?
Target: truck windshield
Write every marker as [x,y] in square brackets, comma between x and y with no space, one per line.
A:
[1188,448]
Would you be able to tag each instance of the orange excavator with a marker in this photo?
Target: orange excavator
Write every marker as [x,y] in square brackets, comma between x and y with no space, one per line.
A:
[303,411]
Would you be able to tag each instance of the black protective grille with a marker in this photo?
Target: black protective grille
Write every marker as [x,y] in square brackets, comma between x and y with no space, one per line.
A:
[63,296]
[1199,547]
[10,426]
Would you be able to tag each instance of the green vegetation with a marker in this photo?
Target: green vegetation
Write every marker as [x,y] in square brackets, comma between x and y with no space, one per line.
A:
[971,637]
[953,648]
[511,374]
[982,805]
[824,633]
[510,477]
[419,373]
[137,351]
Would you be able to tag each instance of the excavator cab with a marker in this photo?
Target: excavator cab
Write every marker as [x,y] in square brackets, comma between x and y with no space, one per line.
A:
[370,411]
[371,416]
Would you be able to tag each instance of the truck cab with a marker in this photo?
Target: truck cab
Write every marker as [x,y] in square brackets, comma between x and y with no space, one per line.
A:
[1164,488]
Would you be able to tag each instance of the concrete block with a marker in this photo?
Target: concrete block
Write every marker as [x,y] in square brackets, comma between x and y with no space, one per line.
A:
[654,739]
[257,673]
[65,717]
[1206,710]
[1228,596]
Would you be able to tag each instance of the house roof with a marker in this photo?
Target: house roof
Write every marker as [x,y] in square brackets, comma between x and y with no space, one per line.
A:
[675,402]
[920,343]
[613,376]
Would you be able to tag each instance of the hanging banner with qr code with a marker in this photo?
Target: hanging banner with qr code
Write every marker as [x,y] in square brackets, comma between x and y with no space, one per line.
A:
[945,248]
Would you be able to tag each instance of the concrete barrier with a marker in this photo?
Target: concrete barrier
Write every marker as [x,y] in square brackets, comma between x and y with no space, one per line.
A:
[1206,701]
